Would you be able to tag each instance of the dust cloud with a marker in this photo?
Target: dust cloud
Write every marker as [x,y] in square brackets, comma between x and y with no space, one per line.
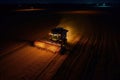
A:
[77,25]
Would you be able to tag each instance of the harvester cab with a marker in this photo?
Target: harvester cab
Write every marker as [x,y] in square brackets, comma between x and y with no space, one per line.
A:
[59,35]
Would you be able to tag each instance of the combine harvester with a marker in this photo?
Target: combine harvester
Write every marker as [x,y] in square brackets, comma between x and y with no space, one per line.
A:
[57,41]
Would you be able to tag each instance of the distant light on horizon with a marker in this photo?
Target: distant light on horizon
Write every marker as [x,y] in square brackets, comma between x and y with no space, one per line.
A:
[103,5]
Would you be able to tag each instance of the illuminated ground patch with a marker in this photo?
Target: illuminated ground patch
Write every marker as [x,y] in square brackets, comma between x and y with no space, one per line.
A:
[27,10]
[81,12]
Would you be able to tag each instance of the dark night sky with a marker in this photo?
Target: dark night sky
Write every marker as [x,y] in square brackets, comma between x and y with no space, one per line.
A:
[58,1]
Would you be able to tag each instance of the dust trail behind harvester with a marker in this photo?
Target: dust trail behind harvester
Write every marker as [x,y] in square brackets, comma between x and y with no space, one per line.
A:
[75,24]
